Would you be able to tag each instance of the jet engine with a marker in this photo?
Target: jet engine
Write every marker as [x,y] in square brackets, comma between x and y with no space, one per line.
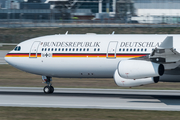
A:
[133,82]
[130,73]
[137,69]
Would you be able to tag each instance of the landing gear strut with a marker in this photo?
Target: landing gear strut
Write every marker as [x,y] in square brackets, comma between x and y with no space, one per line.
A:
[49,88]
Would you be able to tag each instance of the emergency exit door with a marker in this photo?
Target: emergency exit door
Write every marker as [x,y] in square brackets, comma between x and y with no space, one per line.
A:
[34,49]
[111,51]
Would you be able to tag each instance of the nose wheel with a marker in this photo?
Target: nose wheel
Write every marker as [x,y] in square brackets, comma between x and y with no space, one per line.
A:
[49,88]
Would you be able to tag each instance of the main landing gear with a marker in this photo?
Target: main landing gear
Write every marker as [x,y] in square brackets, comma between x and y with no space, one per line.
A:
[49,88]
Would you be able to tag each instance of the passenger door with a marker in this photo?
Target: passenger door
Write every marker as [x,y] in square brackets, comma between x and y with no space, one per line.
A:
[111,51]
[34,49]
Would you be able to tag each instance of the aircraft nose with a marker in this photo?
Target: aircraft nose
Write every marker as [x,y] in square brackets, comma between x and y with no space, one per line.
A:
[8,59]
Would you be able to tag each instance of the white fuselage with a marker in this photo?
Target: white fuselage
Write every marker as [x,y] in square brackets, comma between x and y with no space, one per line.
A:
[90,56]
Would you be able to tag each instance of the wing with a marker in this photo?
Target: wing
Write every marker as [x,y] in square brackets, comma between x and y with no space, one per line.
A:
[165,54]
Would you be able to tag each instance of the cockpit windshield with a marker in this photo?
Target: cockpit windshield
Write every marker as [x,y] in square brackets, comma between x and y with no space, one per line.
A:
[17,48]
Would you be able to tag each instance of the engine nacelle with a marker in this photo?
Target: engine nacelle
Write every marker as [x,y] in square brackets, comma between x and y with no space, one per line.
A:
[137,69]
[133,82]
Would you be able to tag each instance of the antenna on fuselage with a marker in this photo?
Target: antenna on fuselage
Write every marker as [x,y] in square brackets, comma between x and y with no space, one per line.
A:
[66,33]
[113,32]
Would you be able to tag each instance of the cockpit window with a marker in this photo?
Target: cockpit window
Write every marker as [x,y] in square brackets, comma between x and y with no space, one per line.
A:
[17,48]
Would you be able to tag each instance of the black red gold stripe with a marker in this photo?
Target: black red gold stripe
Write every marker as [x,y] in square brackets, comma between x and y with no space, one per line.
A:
[101,55]
[23,55]
[98,55]
[78,55]
[130,55]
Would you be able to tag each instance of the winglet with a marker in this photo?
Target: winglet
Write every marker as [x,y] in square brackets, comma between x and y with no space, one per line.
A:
[66,33]
[167,43]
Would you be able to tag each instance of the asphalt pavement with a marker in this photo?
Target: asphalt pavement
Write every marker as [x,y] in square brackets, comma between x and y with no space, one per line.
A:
[165,100]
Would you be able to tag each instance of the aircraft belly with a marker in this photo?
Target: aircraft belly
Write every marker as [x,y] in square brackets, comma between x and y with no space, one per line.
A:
[78,67]
[68,67]
[84,67]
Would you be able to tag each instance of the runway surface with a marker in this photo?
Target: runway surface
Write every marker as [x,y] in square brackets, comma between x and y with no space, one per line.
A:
[2,55]
[165,100]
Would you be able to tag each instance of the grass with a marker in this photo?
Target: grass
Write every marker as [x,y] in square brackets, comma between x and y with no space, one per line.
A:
[10,76]
[16,35]
[7,47]
[48,31]
[17,113]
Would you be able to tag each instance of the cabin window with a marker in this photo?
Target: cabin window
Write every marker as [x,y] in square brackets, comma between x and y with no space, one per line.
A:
[52,49]
[59,49]
[45,49]
[76,49]
[55,49]
[98,49]
[42,49]
[134,49]
[63,49]
[84,49]
[80,49]
[87,49]
[131,49]
[120,49]
[69,49]
[123,49]
[66,49]
[73,49]
[138,49]
[48,49]
[145,49]
[94,49]
[141,49]
[127,49]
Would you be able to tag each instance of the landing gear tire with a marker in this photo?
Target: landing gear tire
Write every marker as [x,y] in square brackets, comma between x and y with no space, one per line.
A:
[48,89]
[51,89]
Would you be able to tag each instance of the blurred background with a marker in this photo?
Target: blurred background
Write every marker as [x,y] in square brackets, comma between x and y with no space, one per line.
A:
[88,13]
[68,15]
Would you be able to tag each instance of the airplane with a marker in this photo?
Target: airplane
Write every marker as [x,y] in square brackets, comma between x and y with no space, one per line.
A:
[132,60]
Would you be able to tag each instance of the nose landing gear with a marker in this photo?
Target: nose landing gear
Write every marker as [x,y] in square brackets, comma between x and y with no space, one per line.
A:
[49,88]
